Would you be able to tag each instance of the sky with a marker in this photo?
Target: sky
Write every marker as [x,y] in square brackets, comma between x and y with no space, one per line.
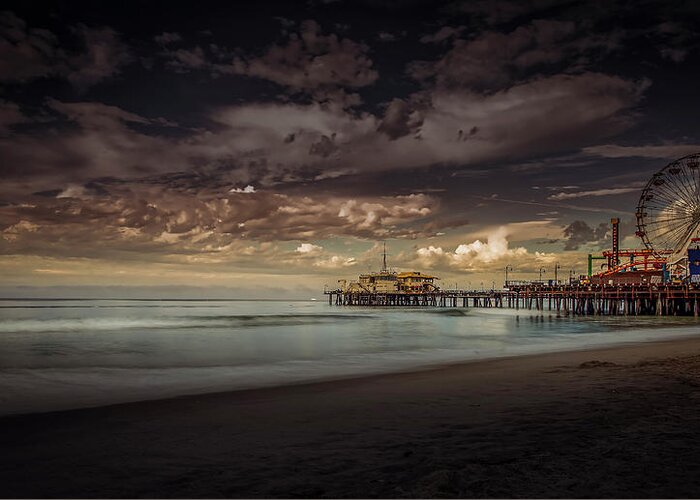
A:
[271,147]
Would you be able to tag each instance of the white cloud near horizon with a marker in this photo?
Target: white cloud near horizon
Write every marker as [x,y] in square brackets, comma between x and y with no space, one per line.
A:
[491,254]
[249,189]
[308,248]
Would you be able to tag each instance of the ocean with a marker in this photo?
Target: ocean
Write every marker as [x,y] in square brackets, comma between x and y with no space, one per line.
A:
[62,354]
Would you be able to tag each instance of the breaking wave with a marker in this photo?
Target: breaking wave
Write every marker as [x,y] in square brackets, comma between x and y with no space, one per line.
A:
[198,321]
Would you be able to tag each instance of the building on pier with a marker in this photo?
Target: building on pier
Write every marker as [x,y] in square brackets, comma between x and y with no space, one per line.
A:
[390,281]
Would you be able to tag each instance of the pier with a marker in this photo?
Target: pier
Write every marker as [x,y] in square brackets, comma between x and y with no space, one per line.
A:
[635,300]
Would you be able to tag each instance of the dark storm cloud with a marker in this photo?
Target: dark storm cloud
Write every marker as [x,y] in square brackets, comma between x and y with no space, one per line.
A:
[443,34]
[184,60]
[166,38]
[494,12]
[324,147]
[494,59]
[399,119]
[579,233]
[28,53]
[675,40]
[104,143]
[310,60]
[384,36]
[669,26]
[254,139]
[10,114]
[103,57]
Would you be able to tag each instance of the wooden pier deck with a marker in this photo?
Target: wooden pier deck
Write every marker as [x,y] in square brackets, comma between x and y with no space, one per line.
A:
[653,299]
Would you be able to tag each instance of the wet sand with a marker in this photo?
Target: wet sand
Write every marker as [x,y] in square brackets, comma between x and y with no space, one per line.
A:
[612,422]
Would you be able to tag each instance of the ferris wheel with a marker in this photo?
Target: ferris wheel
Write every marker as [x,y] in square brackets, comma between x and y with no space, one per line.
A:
[668,213]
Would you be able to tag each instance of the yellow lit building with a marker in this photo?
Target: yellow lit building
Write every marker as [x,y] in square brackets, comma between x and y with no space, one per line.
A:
[414,281]
[391,282]
[386,281]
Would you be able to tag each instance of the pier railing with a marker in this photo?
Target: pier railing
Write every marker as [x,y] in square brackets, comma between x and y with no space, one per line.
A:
[652,299]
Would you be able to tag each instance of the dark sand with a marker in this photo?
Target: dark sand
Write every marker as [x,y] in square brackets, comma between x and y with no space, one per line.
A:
[614,422]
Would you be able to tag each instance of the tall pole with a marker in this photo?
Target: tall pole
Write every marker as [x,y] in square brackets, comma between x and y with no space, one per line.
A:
[384,267]
[508,268]
[615,241]
[542,270]
[556,268]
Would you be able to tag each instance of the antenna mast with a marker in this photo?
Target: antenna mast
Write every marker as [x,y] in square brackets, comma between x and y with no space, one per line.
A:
[384,268]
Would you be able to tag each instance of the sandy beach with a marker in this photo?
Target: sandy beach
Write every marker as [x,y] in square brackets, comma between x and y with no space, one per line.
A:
[614,422]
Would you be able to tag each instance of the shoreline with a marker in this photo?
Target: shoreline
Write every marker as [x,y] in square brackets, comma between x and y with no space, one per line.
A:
[610,422]
[437,366]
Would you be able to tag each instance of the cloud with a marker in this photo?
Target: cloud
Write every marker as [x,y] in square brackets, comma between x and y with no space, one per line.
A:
[31,53]
[100,142]
[399,119]
[676,55]
[479,255]
[380,217]
[93,113]
[494,12]
[309,248]
[28,53]
[10,114]
[104,56]
[496,60]
[579,233]
[555,113]
[158,219]
[185,60]
[167,38]
[321,260]
[310,60]
[443,34]
[674,40]
[595,192]
[246,190]
[663,151]
[325,147]
[75,191]
[336,262]
[15,231]
[265,144]
[539,114]
[495,248]
[385,36]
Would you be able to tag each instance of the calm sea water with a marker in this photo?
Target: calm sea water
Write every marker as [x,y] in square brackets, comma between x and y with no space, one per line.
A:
[59,354]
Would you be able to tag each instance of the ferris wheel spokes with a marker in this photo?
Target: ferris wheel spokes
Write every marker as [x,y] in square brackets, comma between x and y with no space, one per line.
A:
[668,212]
